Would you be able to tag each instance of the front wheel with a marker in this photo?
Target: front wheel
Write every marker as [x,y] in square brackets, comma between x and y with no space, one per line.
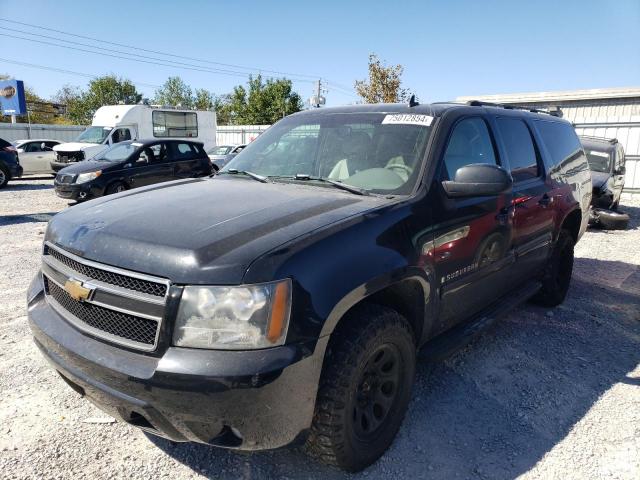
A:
[557,273]
[116,187]
[365,388]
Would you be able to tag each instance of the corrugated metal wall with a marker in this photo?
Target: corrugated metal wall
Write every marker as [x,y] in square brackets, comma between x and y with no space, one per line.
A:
[225,135]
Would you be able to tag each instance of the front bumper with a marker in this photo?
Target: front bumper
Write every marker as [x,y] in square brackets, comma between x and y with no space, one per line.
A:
[56,166]
[248,400]
[72,190]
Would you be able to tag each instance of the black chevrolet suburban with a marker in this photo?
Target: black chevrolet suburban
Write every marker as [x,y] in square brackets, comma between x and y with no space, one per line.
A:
[132,164]
[285,299]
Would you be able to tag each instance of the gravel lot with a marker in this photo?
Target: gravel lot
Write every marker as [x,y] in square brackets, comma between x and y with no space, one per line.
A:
[543,394]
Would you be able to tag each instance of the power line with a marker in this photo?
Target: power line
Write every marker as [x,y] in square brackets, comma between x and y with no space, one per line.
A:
[158,52]
[70,72]
[197,69]
[163,61]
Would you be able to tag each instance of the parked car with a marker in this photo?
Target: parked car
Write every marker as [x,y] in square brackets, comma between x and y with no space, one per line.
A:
[36,155]
[130,165]
[120,123]
[607,164]
[9,163]
[288,295]
[222,154]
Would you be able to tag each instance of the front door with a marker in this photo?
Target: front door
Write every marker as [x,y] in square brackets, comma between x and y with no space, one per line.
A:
[35,159]
[471,250]
[533,199]
[151,166]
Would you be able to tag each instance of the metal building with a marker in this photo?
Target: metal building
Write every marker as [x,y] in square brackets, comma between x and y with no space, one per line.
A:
[602,112]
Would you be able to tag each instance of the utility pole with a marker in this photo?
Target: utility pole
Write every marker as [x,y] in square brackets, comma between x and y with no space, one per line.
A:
[317,100]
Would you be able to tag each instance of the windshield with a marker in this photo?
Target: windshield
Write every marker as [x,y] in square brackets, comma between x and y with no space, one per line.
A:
[118,152]
[377,152]
[599,161]
[222,150]
[94,135]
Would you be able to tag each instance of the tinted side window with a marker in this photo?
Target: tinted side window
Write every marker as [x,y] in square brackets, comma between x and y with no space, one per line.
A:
[562,144]
[521,152]
[32,147]
[159,151]
[469,143]
[182,151]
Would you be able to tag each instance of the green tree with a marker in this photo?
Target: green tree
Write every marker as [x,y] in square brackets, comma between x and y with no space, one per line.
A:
[384,84]
[175,93]
[203,99]
[263,102]
[105,90]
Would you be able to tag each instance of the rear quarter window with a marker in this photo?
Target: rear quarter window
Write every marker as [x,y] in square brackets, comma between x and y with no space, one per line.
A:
[563,146]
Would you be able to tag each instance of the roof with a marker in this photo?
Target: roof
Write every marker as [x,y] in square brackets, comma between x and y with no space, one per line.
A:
[26,140]
[432,109]
[599,143]
[557,96]
[146,141]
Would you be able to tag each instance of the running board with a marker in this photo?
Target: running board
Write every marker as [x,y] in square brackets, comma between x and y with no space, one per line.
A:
[449,342]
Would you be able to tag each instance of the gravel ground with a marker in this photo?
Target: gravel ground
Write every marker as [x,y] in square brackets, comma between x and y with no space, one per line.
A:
[543,394]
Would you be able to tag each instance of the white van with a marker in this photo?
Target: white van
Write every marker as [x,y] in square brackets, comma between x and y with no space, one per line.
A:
[117,123]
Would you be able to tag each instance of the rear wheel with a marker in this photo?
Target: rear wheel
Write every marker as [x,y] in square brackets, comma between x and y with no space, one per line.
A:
[364,390]
[557,274]
[116,187]
[4,176]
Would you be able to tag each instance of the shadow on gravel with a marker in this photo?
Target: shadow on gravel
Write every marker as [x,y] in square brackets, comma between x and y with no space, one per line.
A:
[494,409]
[18,185]
[27,218]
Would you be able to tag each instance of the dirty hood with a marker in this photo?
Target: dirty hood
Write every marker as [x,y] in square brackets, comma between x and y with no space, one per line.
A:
[202,231]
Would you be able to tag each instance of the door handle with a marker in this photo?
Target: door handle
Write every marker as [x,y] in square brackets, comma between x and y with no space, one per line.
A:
[545,201]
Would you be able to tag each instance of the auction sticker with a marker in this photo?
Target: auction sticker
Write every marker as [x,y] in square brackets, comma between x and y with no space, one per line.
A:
[407,119]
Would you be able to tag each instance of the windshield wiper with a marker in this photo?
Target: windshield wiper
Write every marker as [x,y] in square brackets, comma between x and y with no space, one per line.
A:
[335,183]
[255,176]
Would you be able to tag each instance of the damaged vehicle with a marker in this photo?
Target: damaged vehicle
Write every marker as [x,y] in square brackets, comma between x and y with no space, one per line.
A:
[607,164]
[346,240]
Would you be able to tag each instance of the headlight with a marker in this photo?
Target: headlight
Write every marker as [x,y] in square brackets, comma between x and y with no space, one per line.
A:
[233,318]
[85,177]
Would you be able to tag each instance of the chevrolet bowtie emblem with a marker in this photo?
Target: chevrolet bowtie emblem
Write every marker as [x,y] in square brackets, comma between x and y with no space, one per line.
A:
[75,289]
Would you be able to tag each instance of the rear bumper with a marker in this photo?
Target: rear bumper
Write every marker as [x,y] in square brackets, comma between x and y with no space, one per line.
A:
[15,170]
[248,400]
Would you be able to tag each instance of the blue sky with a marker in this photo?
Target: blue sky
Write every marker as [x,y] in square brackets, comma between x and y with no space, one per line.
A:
[448,48]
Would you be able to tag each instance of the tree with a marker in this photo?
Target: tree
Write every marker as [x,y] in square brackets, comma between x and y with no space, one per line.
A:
[105,90]
[384,84]
[263,102]
[203,99]
[175,93]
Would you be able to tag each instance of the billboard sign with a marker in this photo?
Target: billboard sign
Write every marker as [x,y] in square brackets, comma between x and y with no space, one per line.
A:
[12,101]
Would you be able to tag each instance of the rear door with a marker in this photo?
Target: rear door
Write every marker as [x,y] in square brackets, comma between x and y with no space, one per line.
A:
[472,236]
[533,199]
[186,160]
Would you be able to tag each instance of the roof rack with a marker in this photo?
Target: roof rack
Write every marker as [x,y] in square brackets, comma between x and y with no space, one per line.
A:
[479,103]
[612,141]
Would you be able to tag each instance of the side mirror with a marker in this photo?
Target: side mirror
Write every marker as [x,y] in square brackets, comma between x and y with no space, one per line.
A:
[43,147]
[621,170]
[478,180]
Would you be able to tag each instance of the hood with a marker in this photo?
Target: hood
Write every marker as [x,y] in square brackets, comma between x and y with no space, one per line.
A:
[599,179]
[202,231]
[87,166]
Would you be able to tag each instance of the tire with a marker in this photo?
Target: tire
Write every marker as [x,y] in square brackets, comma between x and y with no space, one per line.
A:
[4,176]
[557,273]
[364,390]
[611,220]
[115,187]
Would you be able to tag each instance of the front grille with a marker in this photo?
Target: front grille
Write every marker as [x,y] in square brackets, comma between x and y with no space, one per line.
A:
[130,327]
[66,157]
[131,283]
